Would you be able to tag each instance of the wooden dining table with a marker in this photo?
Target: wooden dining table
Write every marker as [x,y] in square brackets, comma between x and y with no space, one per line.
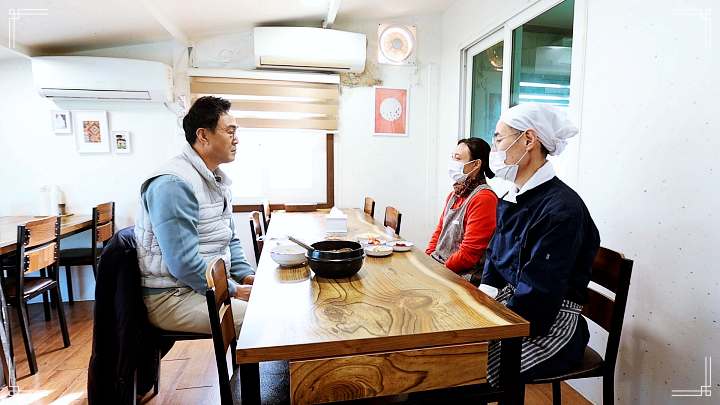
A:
[403,324]
[69,225]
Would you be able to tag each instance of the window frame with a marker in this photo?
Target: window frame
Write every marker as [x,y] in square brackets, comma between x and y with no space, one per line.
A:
[329,183]
[568,166]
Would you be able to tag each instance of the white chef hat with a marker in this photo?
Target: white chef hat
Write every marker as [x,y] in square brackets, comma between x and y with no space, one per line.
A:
[551,124]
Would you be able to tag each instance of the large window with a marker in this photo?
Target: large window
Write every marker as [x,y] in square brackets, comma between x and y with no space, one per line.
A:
[485,70]
[542,52]
[522,61]
[283,166]
[285,148]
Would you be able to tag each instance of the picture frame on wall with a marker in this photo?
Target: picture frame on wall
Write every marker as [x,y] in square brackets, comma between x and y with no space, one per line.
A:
[61,122]
[91,130]
[120,141]
[391,111]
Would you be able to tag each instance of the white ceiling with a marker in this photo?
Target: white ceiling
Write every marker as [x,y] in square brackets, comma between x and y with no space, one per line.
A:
[72,25]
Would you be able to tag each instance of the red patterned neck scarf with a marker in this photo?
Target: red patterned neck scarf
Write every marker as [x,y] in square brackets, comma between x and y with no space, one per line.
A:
[464,189]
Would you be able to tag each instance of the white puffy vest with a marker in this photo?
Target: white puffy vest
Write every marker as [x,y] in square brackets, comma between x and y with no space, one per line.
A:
[214,226]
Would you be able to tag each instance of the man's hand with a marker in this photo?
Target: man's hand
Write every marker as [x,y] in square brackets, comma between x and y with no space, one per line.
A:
[249,279]
[242,292]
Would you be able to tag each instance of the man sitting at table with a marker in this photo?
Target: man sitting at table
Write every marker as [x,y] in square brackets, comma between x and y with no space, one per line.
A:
[541,254]
[185,220]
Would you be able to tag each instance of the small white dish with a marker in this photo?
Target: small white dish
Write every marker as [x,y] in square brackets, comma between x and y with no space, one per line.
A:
[378,251]
[288,255]
[400,245]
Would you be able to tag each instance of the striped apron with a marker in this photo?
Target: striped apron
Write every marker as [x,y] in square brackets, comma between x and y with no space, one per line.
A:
[536,349]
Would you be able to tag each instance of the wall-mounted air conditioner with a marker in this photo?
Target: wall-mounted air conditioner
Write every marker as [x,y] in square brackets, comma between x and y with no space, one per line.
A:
[102,79]
[305,48]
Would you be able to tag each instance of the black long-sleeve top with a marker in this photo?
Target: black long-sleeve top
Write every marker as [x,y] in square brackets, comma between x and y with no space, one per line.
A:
[544,246]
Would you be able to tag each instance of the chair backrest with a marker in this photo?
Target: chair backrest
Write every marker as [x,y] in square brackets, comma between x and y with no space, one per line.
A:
[38,243]
[266,213]
[612,271]
[369,206]
[392,219]
[256,234]
[103,223]
[222,324]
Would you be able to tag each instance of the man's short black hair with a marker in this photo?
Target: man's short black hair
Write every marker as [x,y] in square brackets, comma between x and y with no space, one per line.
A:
[204,113]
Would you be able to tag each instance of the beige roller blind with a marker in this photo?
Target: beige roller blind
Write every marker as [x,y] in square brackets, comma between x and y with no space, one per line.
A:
[258,103]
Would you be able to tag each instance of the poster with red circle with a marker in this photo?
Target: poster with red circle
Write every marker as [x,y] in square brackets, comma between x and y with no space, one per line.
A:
[390,111]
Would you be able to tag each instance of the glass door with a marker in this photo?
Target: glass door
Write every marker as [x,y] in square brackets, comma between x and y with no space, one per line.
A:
[541,57]
[484,72]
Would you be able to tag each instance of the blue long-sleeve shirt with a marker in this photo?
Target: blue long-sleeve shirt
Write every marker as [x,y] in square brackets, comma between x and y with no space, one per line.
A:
[544,246]
[174,213]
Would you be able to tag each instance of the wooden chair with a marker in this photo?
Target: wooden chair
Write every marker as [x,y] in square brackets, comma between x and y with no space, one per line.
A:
[257,233]
[266,213]
[103,229]
[612,271]
[369,206]
[222,328]
[37,249]
[392,219]
[222,324]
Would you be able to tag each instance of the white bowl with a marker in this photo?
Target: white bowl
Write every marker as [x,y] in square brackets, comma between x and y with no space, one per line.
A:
[378,251]
[288,255]
[400,245]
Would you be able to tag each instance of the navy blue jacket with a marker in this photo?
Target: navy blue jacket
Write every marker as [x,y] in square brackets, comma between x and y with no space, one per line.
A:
[544,247]
[123,339]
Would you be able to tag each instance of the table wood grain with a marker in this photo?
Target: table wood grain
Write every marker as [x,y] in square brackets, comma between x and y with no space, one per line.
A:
[401,302]
[69,225]
[391,373]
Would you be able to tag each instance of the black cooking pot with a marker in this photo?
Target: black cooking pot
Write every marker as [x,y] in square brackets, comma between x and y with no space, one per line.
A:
[336,268]
[335,258]
[335,249]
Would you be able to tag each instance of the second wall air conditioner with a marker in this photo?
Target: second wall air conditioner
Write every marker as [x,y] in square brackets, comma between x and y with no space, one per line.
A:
[102,79]
[306,48]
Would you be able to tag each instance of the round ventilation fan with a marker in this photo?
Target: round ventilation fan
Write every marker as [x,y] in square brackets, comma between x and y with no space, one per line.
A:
[396,44]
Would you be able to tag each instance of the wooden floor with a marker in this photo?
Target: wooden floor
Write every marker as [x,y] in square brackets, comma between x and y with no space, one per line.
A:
[188,371]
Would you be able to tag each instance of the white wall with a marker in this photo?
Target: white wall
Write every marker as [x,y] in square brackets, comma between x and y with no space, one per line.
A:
[648,174]
[32,155]
[393,171]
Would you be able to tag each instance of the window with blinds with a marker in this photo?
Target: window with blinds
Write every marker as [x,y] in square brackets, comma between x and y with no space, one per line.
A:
[260,103]
[285,151]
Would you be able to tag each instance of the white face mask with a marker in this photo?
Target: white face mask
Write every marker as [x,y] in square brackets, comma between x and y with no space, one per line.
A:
[456,170]
[500,168]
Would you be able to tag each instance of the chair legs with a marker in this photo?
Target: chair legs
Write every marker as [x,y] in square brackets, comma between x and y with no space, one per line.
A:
[556,396]
[68,281]
[25,328]
[45,298]
[156,386]
[55,294]
[225,391]
[233,346]
[609,389]
[46,307]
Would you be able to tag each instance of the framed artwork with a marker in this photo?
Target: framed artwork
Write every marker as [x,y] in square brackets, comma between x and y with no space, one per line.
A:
[391,110]
[91,131]
[121,141]
[61,122]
